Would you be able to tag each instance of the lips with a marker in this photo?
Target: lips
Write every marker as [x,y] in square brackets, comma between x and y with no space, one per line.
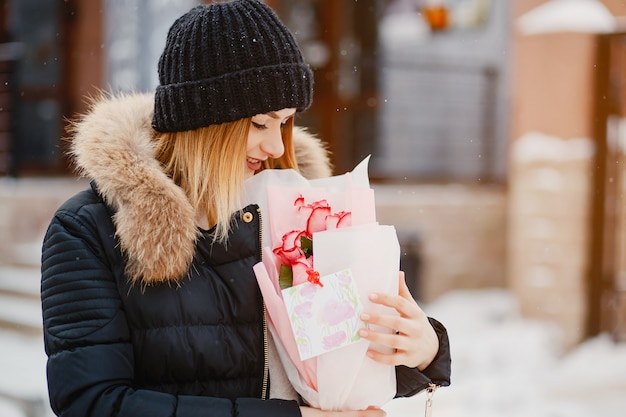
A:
[253,164]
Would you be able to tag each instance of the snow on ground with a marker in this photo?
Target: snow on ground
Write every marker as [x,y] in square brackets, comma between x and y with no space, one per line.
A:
[503,365]
[22,374]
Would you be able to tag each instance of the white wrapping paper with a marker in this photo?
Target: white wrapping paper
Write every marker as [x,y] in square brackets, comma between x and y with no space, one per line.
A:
[346,378]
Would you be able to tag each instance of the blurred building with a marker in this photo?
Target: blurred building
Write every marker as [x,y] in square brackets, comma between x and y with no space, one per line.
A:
[566,217]
[495,129]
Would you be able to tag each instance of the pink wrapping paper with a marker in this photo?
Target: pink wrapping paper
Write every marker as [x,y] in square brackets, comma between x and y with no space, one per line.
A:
[343,379]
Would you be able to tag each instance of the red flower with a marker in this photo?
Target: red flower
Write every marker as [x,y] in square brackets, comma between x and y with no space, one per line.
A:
[290,250]
[300,270]
[295,252]
[317,220]
[315,214]
[337,220]
[299,201]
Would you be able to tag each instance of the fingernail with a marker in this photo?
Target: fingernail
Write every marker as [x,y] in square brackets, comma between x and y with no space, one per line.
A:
[373,296]
[363,333]
[365,317]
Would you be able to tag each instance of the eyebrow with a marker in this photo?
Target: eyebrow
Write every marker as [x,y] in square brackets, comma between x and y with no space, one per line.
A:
[275,115]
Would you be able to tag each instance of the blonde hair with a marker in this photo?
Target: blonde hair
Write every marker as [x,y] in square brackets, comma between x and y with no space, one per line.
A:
[208,164]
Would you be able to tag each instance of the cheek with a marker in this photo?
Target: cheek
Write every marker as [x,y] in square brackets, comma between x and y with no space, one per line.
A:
[254,139]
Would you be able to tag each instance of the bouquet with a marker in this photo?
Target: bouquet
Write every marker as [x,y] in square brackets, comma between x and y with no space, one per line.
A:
[323,253]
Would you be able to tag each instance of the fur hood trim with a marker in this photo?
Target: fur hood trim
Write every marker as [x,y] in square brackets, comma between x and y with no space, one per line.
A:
[155,223]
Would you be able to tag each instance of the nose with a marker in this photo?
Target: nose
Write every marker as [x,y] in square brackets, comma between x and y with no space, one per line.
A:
[273,145]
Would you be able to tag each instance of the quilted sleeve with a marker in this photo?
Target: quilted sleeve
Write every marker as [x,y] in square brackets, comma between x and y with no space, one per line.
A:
[90,358]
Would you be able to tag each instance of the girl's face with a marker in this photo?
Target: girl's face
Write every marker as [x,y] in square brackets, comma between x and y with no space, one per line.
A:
[265,139]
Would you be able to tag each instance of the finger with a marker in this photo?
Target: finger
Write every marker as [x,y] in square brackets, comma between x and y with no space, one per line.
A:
[384,358]
[389,300]
[404,306]
[392,322]
[403,289]
[392,359]
[384,339]
[375,411]
[404,292]
[397,341]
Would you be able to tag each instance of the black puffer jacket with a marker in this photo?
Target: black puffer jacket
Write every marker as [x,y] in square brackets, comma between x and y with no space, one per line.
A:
[159,346]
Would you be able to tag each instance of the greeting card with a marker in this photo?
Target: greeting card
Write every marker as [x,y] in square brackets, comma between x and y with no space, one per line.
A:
[324,316]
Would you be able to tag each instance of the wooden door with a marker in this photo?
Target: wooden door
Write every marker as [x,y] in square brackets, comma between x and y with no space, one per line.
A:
[607,275]
[338,39]
[56,62]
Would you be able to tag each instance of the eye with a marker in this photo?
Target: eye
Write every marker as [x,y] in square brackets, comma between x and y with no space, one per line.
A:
[259,126]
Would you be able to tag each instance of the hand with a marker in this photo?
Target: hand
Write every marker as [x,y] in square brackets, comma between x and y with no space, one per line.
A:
[413,339]
[316,412]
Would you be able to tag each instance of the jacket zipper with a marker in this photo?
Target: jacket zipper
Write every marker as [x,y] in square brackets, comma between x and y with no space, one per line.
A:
[430,391]
[266,365]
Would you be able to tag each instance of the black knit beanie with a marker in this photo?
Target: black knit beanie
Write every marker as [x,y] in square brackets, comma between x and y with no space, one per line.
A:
[227,61]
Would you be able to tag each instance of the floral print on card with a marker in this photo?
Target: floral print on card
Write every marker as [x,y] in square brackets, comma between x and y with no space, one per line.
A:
[324,317]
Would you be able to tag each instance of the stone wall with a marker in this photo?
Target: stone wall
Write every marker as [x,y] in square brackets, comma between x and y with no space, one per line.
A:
[549,228]
[457,231]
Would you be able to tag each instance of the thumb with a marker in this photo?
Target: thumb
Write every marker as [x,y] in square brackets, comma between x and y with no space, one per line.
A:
[403,289]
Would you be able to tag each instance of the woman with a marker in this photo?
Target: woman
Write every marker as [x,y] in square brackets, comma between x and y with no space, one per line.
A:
[150,304]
